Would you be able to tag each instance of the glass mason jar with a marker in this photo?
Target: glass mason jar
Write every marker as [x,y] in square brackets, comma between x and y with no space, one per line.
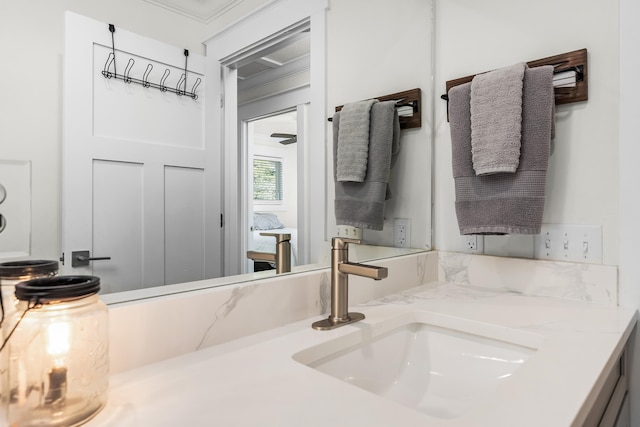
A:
[12,273]
[58,353]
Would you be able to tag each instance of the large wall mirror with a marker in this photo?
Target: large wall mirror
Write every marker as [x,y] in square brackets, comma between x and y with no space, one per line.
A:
[284,78]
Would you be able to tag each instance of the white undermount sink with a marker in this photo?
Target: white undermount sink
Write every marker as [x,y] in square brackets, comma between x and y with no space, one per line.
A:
[435,364]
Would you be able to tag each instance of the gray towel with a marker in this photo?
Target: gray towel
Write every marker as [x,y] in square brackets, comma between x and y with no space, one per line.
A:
[505,203]
[496,119]
[361,204]
[353,141]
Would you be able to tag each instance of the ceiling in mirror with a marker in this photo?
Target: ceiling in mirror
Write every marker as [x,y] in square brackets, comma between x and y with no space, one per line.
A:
[281,55]
[200,10]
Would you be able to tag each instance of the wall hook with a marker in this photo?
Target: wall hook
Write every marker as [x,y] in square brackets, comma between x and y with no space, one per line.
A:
[181,82]
[145,76]
[195,86]
[126,78]
[163,87]
[107,65]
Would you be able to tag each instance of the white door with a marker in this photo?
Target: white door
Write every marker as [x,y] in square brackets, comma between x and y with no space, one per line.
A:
[134,162]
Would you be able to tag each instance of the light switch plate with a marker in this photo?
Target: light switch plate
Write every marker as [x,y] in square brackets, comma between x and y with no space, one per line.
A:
[15,239]
[564,242]
[349,231]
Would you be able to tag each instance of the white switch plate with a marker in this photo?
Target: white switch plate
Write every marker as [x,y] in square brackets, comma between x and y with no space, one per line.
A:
[349,231]
[564,242]
[15,177]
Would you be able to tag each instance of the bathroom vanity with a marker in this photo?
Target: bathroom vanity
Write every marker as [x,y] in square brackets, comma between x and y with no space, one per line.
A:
[437,354]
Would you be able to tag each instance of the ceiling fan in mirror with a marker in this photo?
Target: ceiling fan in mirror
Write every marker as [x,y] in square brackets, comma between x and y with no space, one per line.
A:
[286,138]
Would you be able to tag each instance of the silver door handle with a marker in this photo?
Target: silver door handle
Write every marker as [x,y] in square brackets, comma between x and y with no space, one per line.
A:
[82,258]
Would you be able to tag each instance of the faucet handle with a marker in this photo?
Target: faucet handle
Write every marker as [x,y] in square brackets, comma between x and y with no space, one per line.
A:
[340,243]
[280,237]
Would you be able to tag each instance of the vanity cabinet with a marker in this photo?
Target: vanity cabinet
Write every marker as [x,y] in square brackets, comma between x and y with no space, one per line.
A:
[624,417]
[609,407]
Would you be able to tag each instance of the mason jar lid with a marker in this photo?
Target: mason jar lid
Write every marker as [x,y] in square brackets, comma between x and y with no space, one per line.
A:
[58,288]
[33,268]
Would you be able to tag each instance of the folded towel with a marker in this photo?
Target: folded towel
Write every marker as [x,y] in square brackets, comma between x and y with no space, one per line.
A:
[505,203]
[361,204]
[496,118]
[353,141]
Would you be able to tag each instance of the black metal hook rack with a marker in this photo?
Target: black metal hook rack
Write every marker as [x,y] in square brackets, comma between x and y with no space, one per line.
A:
[181,86]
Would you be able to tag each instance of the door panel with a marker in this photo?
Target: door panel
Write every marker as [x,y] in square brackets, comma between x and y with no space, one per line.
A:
[129,151]
[184,222]
[118,211]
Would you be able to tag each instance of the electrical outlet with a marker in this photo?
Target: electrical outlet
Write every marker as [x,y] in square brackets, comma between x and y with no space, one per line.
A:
[401,233]
[474,243]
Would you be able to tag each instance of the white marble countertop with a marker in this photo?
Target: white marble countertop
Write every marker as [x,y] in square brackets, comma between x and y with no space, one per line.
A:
[254,381]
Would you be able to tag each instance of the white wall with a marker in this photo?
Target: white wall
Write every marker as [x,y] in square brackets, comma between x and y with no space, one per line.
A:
[594,175]
[31,41]
[583,167]
[629,273]
[582,185]
[375,49]
[31,38]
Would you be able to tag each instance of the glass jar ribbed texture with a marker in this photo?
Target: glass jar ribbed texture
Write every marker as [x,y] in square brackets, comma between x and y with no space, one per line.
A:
[58,363]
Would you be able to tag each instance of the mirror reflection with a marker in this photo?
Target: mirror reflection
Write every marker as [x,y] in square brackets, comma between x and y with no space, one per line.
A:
[272,190]
[358,65]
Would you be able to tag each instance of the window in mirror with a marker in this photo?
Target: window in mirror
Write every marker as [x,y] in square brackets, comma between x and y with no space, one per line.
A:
[267,180]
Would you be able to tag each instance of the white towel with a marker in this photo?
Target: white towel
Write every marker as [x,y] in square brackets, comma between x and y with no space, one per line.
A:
[353,141]
[496,120]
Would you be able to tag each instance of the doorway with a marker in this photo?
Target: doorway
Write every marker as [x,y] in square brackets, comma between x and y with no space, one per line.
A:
[283,114]
[271,184]
[245,42]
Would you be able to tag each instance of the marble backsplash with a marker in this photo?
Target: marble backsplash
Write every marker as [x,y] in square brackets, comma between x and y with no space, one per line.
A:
[155,329]
[576,281]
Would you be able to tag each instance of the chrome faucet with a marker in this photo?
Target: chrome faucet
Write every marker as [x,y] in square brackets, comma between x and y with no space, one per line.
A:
[282,257]
[340,270]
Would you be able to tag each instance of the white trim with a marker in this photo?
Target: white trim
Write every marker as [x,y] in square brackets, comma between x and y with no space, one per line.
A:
[629,175]
[221,130]
[202,15]
[316,220]
[280,102]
